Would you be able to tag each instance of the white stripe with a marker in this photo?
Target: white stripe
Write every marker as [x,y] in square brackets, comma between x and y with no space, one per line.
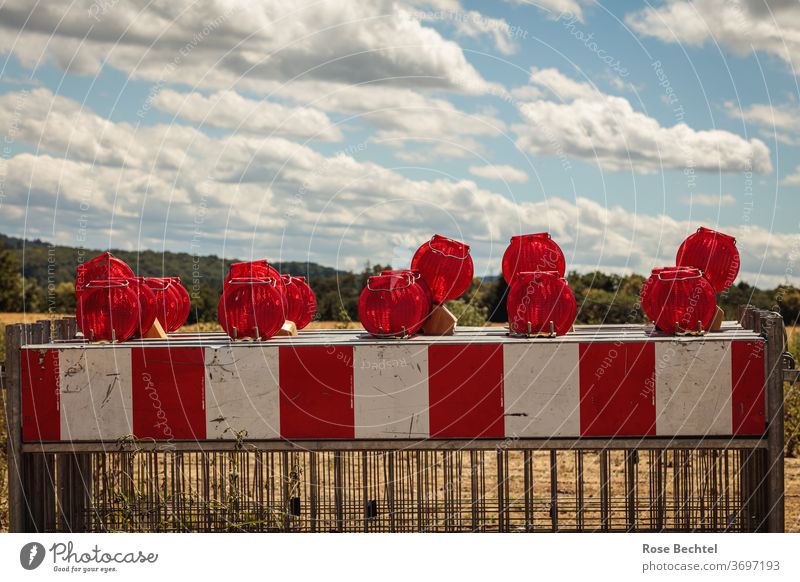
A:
[541,390]
[242,392]
[693,388]
[390,387]
[96,394]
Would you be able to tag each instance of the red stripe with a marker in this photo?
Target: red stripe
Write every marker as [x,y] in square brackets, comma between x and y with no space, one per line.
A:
[316,392]
[618,389]
[41,417]
[168,393]
[465,386]
[747,362]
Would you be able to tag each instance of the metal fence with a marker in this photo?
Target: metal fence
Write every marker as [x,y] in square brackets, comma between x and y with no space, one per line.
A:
[400,491]
[651,484]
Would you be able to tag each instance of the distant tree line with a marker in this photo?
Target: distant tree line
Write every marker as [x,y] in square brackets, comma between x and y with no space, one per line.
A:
[42,281]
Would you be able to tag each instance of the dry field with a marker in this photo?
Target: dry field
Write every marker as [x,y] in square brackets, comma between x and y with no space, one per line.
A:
[792,465]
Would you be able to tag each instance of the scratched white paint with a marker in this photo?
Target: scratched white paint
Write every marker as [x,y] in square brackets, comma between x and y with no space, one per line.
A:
[693,388]
[242,392]
[95,394]
[390,391]
[542,390]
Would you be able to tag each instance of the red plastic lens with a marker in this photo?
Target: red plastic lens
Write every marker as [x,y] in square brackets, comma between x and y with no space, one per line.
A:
[392,305]
[108,309]
[301,304]
[147,305]
[102,267]
[251,308]
[679,300]
[714,253]
[184,303]
[417,277]
[168,302]
[648,302]
[446,266]
[260,269]
[533,252]
[535,299]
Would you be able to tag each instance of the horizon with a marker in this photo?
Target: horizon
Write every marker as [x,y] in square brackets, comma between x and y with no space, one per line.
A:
[488,277]
[321,134]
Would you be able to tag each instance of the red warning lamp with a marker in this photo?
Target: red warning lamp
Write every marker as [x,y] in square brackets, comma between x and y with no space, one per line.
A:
[648,301]
[392,306]
[533,252]
[184,302]
[169,307]
[712,252]
[260,269]
[680,301]
[108,310]
[446,266]
[301,304]
[102,267]
[147,305]
[417,278]
[251,307]
[540,302]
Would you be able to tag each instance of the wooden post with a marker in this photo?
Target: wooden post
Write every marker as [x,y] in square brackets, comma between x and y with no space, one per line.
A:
[772,326]
[16,497]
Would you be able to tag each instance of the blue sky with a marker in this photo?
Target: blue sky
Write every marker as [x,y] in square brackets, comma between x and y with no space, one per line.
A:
[344,132]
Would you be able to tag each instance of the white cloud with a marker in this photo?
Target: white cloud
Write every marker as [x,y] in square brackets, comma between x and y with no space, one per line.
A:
[780,121]
[772,27]
[229,110]
[587,124]
[713,200]
[473,24]
[241,196]
[503,173]
[256,44]
[792,179]
[554,8]
[402,117]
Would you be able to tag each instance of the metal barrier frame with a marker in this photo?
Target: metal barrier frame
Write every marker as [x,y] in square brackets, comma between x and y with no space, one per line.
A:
[33,491]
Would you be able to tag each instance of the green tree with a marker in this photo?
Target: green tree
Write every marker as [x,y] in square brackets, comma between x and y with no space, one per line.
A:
[64,297]
[11,290]
[468,314]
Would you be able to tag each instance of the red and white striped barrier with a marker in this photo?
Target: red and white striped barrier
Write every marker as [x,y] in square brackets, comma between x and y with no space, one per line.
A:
[345,387]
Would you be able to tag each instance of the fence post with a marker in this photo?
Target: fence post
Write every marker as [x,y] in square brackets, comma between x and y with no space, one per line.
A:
[13,340]
[772,326]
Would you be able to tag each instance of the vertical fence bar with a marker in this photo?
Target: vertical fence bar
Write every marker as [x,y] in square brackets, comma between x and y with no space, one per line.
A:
[528,484]
[338,490]
[554,489]
[604,483]
[772,325]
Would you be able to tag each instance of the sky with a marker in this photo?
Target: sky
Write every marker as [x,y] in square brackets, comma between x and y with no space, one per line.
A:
[350,132]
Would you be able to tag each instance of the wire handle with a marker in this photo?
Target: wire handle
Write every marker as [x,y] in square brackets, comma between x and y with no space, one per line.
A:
[252,281]
[699,276]
[164,288]
[409,282]
[444,254]
[119,284]
[733,238]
